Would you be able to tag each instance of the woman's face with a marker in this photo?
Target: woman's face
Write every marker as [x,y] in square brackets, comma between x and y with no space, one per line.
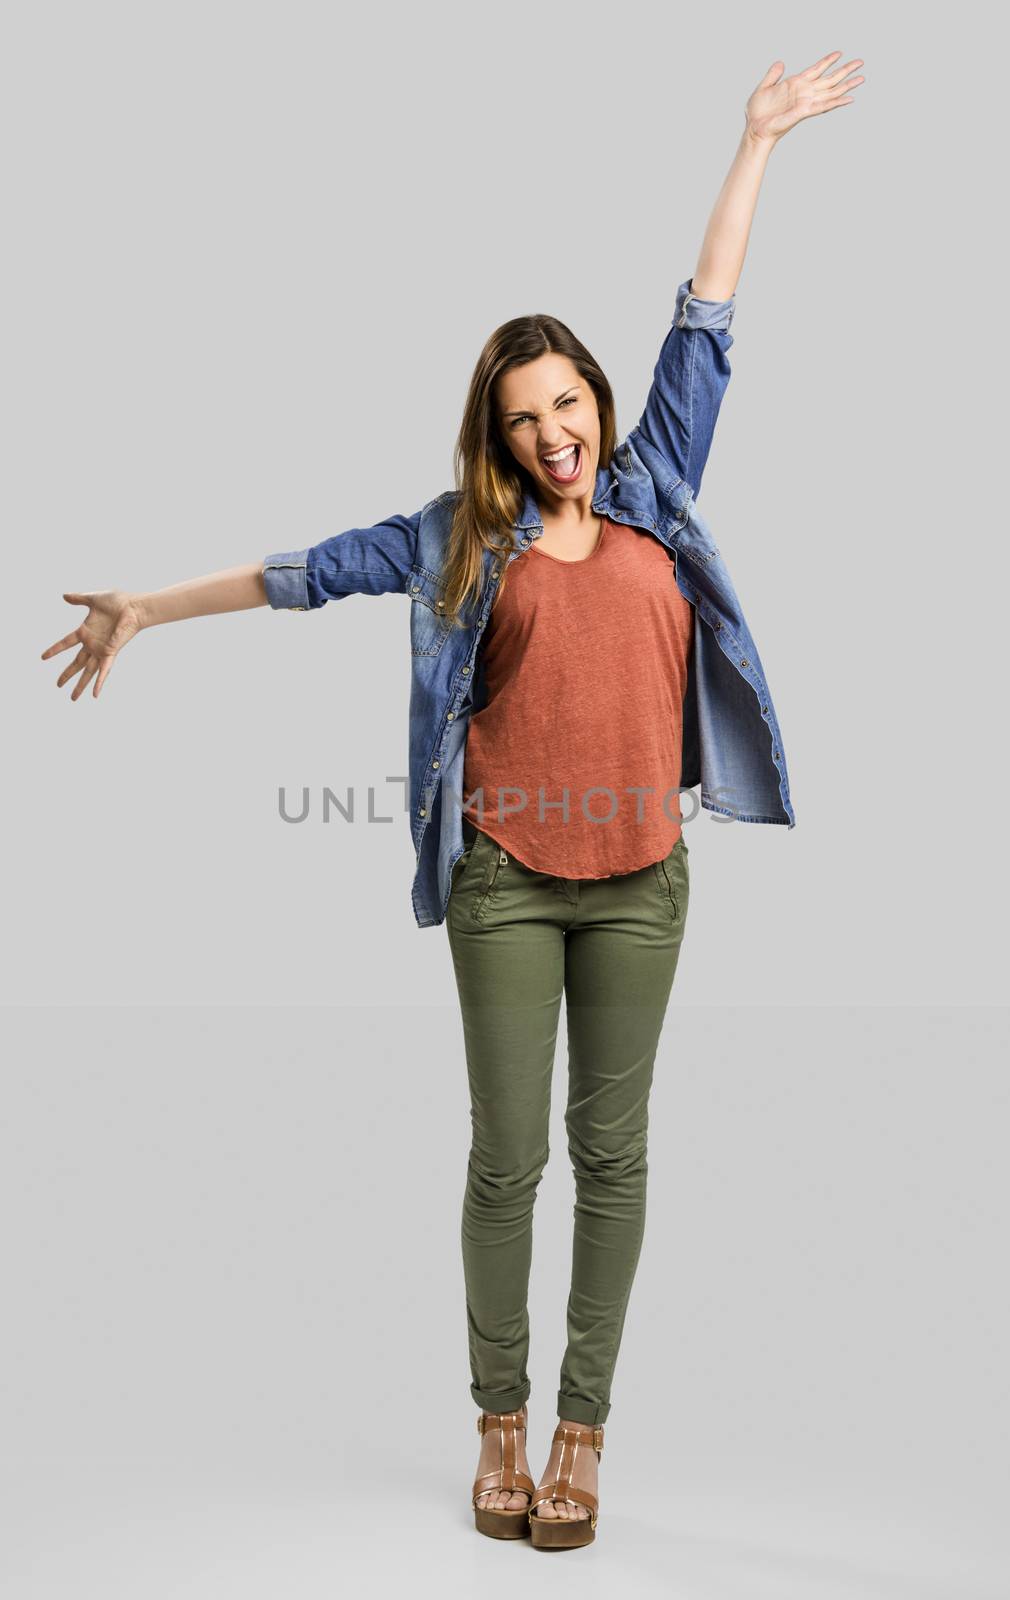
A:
[545,407]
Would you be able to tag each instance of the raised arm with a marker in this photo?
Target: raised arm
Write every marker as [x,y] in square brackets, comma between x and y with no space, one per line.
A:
[688,384]
[776,105]
[692,371]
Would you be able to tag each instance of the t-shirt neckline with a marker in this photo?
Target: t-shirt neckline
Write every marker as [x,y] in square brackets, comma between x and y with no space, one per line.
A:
[604,523]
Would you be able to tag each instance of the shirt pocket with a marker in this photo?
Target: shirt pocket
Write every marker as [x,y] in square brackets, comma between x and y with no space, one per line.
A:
[429,626]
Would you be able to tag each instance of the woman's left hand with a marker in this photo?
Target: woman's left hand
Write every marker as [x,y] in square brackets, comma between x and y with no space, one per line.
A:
[779,103]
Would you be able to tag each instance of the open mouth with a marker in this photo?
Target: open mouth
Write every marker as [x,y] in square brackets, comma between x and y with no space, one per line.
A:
[565,465]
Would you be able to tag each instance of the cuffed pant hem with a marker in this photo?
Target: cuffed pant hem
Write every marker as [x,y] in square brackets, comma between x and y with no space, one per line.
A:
[510,1400]
[576,1410]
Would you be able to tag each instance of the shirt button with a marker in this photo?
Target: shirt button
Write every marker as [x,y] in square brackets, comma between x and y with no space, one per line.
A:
[422,812]
[434,763]
[466,669]
[416,589]
[764,709]
[450,716]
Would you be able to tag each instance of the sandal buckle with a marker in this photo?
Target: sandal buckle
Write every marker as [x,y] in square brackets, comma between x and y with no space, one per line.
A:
[598,1438]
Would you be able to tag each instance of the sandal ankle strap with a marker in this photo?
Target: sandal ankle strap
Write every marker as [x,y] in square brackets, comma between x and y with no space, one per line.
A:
[588,1436]
[488,1421]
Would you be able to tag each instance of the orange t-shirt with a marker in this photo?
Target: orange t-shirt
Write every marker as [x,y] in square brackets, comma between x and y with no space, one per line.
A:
[586,669]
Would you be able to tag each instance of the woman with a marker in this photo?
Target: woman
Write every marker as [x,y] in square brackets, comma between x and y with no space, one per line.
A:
[574,636]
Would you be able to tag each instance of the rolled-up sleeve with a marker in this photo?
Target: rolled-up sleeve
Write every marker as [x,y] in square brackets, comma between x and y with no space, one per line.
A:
[690,312]
[284,575]
[689,381]
[374,560]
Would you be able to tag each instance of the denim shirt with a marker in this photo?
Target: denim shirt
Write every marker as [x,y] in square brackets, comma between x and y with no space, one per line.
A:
[731,746]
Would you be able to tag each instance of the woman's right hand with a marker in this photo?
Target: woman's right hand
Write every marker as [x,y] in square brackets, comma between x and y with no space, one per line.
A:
[112,620]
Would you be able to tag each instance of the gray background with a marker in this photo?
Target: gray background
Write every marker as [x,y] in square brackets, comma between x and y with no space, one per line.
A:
[253,253]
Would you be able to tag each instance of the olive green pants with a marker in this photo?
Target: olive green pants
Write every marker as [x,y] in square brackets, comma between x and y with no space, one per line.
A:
[519,939]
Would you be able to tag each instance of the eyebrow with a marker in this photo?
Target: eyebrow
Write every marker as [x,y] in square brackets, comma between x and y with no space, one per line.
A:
[528,413]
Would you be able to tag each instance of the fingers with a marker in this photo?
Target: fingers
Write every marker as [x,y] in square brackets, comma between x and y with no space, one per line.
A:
[818,66]
[75,599]
[106,669]
[836,77]
[94,657]
[86,677]
[833,103]
[62,644]
[78,662]
[87,665]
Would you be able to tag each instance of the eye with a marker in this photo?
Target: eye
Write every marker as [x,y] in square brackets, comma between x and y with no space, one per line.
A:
[569,400]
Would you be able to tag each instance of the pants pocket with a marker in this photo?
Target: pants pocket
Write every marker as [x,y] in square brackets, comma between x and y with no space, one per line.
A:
[459,868]
[672,880]
[490,883]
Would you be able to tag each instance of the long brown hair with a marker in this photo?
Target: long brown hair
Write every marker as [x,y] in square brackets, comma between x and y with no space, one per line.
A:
[490,483]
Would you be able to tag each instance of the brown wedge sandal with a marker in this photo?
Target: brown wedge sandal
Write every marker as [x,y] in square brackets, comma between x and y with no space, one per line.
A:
[500,1524]
[568,1533]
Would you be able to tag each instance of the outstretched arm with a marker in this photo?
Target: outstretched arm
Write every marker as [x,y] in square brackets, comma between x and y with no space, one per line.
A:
[376,560]
[115,617]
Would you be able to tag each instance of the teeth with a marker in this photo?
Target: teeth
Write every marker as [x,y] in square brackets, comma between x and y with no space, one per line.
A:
[562,455]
